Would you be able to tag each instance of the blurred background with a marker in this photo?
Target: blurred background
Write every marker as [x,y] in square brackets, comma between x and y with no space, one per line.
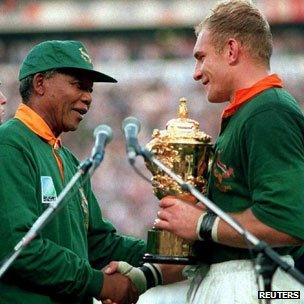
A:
[147,46]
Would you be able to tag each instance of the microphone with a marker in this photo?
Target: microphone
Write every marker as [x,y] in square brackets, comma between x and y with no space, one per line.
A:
[103,135]
[131,128]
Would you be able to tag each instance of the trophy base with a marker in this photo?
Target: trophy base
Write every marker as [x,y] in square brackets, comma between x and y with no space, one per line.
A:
[167,248]
[160,259]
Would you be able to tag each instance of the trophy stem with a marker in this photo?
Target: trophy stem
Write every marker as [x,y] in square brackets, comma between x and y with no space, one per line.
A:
[165,247]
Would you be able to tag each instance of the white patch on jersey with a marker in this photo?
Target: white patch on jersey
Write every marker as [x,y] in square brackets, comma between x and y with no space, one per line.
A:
[48,191]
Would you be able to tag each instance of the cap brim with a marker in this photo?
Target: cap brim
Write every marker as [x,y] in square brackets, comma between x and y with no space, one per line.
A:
[94,75]
[100,77]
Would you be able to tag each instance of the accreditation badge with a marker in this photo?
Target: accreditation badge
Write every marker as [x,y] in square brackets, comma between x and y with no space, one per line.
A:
[48,191]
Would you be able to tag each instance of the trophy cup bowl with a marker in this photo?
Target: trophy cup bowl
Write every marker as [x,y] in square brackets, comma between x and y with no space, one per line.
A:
[186,150]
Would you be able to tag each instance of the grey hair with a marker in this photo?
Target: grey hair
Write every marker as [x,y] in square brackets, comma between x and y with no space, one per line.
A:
[26,84]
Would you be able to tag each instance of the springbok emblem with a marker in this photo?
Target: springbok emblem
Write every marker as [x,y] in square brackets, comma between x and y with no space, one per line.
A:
[85,55]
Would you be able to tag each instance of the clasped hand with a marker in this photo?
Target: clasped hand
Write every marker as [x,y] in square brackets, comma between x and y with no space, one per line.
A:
[117,288]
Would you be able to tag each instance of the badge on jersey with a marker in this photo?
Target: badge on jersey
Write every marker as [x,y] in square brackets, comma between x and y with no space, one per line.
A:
[85,207]
[48,191]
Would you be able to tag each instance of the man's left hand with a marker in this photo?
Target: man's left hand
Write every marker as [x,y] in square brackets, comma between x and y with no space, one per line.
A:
[179,217]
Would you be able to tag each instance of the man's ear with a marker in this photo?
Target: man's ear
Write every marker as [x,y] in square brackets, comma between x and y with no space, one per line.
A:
[233,51]
[39,84]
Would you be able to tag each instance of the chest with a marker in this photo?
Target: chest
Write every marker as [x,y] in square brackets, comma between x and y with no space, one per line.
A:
[69,226]
[229,171]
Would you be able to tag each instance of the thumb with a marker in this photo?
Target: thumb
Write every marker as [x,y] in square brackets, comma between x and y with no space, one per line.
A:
[111,268]
[108,301]
[187,197]
[168,201]
[201,206]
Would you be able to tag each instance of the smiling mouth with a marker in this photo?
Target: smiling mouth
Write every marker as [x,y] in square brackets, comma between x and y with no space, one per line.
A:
[82,112]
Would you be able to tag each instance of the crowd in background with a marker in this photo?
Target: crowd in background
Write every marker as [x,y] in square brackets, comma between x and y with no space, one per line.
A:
[139,46]
[126,199]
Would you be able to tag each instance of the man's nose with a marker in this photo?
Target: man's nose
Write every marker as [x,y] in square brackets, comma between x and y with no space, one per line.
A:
[86,98]
[197,73]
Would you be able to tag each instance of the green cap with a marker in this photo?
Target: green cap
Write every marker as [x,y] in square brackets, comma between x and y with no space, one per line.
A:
[56,54]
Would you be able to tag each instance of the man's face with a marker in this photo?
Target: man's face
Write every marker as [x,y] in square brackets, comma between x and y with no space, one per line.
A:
[2,103]
[67,99]
[211,69]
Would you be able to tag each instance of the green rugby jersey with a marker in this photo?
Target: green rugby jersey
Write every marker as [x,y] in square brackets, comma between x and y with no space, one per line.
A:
[62,265]
[259,164]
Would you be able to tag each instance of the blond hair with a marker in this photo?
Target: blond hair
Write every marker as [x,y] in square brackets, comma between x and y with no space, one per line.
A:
[241,20]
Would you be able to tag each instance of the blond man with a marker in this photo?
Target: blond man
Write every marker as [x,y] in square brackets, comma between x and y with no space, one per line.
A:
[258,170]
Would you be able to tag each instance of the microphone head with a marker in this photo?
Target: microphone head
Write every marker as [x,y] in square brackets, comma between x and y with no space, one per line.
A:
[104,129]
[131,121]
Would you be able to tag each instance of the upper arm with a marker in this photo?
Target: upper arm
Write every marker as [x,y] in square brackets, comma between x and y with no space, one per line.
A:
[274,143]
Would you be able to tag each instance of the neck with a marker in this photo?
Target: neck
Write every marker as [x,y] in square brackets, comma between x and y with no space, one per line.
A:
[44,114]
[248,76]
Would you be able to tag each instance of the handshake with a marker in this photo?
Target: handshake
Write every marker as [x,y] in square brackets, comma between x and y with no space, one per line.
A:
[124,283]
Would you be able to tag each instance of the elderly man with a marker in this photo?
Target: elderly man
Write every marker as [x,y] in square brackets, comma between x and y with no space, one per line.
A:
[61,265]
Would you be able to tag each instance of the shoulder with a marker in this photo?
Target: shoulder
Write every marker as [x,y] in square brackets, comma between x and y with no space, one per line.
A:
[13,133]
[273,115]
[16,136]
[269,105]
[274,99]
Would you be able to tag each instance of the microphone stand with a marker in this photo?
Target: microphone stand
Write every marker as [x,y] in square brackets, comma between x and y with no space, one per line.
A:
[262,247]
[89,165]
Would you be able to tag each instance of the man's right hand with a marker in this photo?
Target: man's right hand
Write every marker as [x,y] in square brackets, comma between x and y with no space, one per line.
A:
[119,289]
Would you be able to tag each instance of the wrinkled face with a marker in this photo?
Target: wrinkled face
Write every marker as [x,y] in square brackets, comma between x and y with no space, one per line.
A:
[67,99]
[211,69]
[2,103]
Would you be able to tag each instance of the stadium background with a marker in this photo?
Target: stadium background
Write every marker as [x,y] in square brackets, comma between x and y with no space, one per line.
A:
[147,46]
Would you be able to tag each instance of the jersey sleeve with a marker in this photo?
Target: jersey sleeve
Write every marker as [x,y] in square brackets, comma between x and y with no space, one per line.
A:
[105,244]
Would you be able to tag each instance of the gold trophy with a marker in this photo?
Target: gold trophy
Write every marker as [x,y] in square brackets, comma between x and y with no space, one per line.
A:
[186,150]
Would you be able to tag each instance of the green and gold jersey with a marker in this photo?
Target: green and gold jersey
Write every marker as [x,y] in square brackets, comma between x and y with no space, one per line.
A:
[259,164]
[62,264]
